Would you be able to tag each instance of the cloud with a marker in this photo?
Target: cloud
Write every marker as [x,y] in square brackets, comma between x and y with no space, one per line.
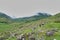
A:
[22,8]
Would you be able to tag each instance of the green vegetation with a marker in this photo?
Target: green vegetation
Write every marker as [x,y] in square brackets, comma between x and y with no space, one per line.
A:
[35,27]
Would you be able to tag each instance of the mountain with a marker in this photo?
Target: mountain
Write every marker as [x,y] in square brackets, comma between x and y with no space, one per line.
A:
[33,18]
[4,18]
[38,27]
[2,15]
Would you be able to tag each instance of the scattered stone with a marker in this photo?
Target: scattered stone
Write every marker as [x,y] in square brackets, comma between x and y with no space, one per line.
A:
[50,33]
[32,38]
[42,38]
[21,37]
[42,24]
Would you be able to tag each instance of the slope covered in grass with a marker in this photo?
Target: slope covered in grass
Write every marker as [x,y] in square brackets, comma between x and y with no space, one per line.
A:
[36,29]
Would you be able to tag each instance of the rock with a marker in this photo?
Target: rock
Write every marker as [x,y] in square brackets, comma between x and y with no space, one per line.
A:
[21,37]
[2,38]
[32,39]
[42,24]
[50,33]
[42,38]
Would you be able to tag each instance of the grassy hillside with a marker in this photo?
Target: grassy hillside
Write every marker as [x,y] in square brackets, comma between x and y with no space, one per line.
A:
[5,18]
[41,29]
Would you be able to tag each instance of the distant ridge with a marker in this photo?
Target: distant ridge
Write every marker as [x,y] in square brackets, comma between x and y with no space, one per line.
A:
[34,17]
[2,15]
[5,18]
[24,19]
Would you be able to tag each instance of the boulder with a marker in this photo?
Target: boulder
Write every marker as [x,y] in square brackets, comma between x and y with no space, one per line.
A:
[21,37]
[50,33]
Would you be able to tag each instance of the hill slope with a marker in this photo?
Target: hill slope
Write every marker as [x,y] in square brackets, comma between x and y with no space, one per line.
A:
[41,29]
[4,18]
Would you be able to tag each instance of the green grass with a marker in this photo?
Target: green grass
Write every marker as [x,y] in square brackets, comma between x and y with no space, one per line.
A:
[24,28]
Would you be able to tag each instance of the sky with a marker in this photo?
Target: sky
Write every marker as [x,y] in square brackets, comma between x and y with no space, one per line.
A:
[24,8]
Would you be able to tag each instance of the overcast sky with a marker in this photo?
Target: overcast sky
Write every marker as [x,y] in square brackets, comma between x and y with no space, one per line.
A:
[22,8]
